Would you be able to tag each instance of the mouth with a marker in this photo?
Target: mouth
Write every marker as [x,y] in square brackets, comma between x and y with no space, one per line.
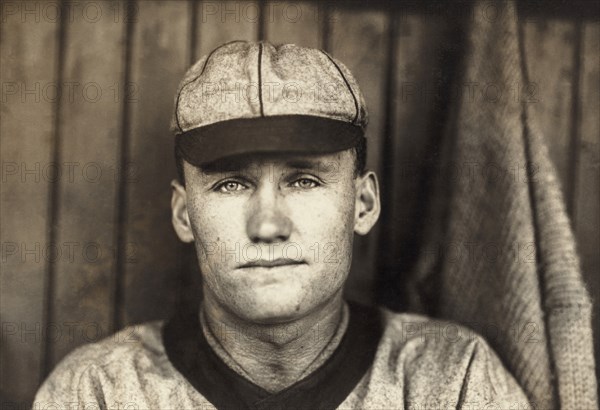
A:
[271,263]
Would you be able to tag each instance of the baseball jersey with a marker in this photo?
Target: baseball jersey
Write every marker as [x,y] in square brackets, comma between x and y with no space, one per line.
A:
[384,360]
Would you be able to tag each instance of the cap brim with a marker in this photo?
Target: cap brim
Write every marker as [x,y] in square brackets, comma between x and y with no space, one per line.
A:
[284,133]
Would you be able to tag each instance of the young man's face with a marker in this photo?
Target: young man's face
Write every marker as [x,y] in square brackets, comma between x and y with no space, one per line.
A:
[273,234]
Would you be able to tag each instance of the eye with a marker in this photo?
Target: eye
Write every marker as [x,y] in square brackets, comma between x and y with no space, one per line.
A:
[230,186]
[305,183]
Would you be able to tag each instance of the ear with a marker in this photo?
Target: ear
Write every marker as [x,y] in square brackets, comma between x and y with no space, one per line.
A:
[367,205]
[180,217]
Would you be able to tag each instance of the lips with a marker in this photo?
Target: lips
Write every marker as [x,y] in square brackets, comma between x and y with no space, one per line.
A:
[271,263]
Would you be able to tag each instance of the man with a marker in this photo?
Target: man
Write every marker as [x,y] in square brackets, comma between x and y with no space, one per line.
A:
[272,187]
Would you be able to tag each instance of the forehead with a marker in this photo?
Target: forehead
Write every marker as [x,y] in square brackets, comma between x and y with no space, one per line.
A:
[321,163]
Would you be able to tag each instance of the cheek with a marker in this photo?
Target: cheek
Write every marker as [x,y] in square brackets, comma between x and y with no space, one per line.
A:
[218,232]
[325,227]
[327,217]
[210,218]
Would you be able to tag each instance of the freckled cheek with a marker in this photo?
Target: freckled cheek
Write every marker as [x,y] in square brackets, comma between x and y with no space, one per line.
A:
[217,228]
[217,219]
[326,229]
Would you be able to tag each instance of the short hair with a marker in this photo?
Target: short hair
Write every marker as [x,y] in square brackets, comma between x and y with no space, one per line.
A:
[360,160]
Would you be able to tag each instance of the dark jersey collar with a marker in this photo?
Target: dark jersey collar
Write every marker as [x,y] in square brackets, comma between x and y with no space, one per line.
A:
[325,388]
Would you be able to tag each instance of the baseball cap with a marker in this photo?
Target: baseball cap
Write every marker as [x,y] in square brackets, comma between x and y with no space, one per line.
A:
[250,97]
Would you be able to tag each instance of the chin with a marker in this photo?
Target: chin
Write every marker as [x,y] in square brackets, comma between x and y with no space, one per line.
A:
[272,304]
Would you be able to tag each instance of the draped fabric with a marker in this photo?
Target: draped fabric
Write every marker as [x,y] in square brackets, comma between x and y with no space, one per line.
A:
[499,253]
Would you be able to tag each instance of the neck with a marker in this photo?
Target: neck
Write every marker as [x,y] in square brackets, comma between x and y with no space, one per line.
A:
[275,356]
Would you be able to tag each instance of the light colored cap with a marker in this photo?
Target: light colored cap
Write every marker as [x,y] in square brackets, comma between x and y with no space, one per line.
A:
[246,97]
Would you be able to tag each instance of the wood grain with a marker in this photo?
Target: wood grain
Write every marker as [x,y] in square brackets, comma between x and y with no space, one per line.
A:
[152,250]
[293,22]
[28,53]
[418,76]
[90,122]
[220,22]
[359,40]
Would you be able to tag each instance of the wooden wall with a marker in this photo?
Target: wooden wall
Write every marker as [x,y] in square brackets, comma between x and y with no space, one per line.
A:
[87,246]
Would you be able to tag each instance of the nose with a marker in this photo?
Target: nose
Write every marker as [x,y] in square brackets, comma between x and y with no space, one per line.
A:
[267,221]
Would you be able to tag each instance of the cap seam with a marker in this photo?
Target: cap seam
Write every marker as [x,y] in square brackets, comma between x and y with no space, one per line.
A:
[198,76]
[260,96]
[356,105]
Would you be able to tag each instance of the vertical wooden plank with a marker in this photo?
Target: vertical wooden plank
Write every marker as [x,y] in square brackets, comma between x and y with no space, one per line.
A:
[29,53]
[418,79]
[90,121]
[549,49]
[587,199]
[159,59]
[359,39]
[220,22]
[293,22]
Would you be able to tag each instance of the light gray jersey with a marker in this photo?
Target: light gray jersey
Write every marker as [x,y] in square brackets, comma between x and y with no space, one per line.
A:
[417,363]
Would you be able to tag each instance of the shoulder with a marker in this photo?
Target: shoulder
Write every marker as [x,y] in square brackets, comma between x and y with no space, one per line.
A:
[131,342]
[421,333]
[443,361]
[417,343]
[84,374]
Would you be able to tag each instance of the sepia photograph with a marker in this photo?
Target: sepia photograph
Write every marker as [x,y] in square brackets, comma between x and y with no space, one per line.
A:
[304,205]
